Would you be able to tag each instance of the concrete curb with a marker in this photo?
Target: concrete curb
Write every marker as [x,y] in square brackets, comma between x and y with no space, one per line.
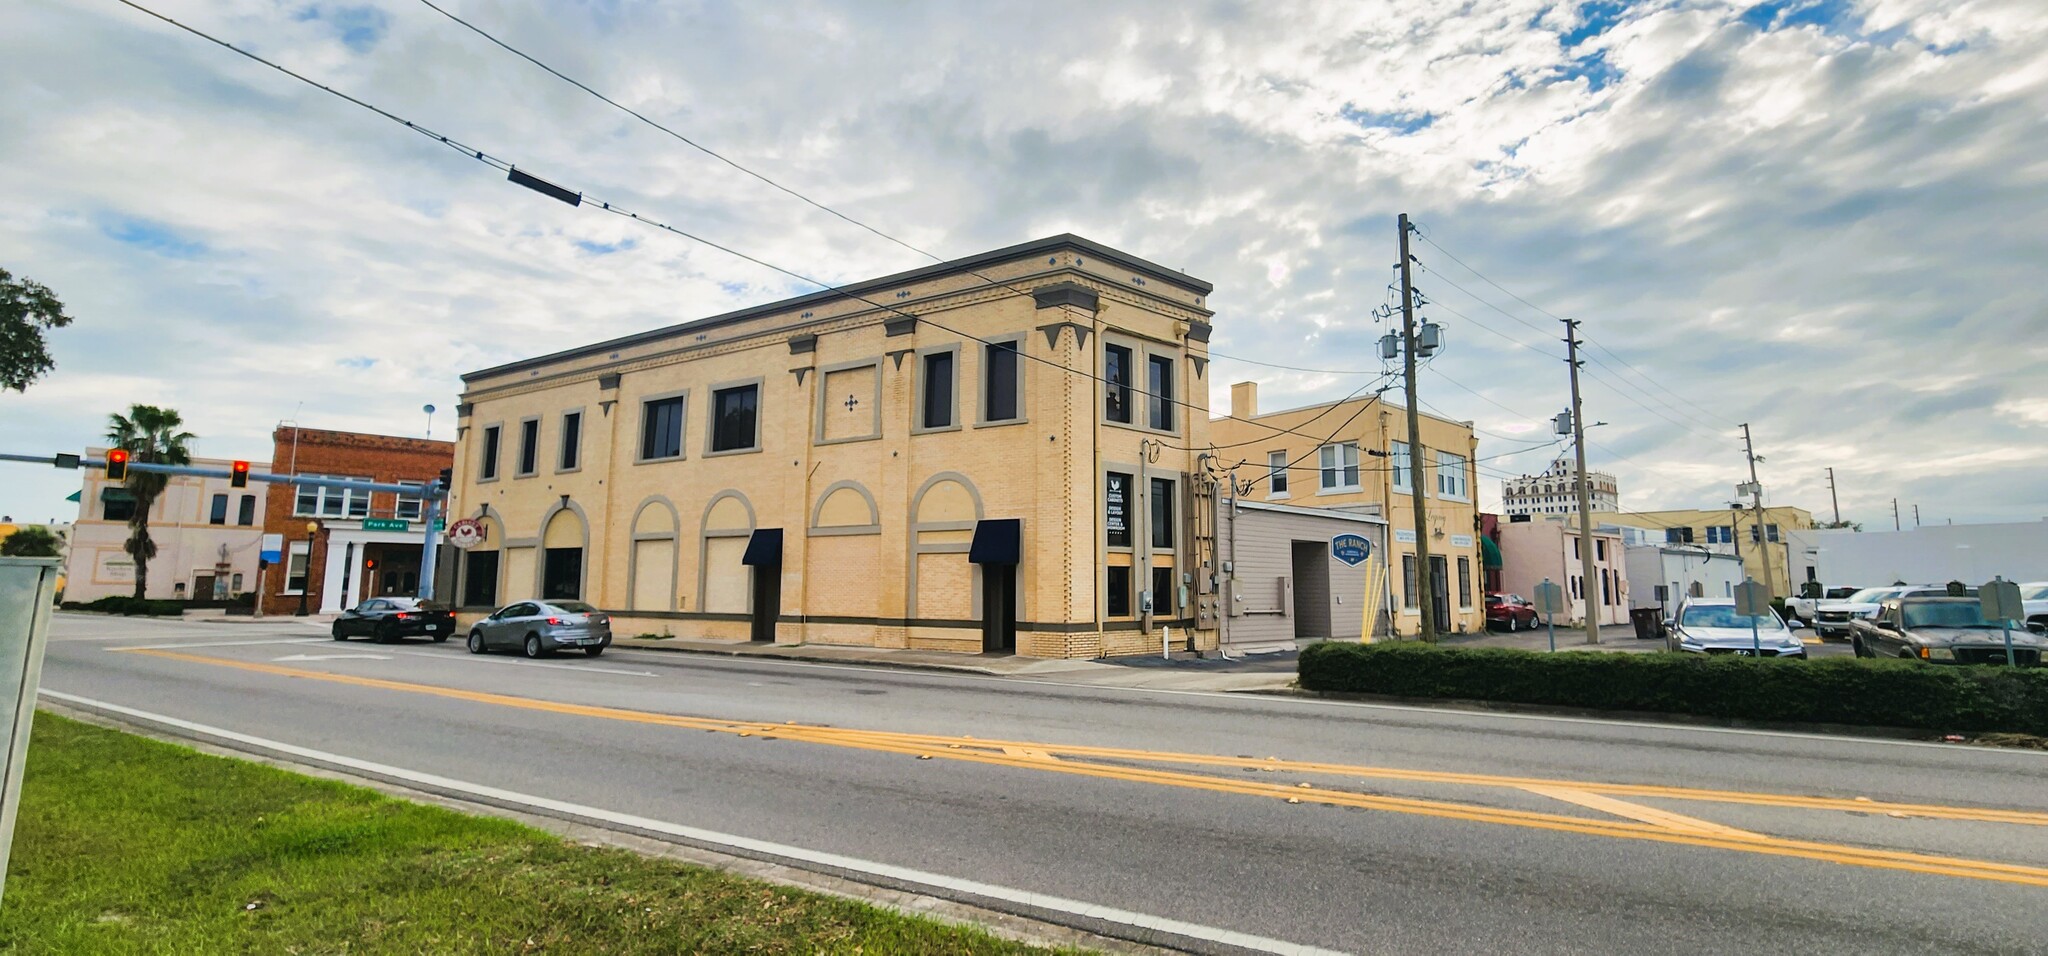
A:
[814,659]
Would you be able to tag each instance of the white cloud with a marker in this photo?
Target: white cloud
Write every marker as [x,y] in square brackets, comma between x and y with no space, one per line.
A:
[1796,228]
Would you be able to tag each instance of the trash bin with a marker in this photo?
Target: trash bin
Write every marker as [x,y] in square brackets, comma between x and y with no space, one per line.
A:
[1649,622]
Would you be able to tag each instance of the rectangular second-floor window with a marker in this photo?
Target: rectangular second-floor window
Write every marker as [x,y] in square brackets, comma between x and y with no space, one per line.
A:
[1162,512]
[1002,382]
[487,468]
[1403,467]
[247,516]
[1159,383]
[1677,535]
[319,501]
[1720,534]
[1338,467]
[219,512]
[661,429]
[1116,383]
[735,414]
[572,442]
[1276,465]
[529,446]
[1769,530]
[935,391]
[408,507]
[1450,476]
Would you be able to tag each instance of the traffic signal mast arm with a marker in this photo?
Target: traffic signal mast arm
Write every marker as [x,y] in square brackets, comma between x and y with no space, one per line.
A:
[433,489]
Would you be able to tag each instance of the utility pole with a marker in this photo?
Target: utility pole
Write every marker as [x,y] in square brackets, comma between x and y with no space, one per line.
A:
[1895,514]
[1756,494]
[1916,516]
[1832,499]
[1425,583]
[1586,569]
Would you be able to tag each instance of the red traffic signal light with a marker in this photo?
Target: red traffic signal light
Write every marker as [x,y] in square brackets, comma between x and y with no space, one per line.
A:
[370,564]
[117,464]
[238,474]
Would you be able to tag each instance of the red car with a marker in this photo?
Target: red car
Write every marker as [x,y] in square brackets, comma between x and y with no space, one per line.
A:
[1510,612]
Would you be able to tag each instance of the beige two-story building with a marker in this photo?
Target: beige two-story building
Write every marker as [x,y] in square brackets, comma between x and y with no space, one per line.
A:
[997,452]
[1354,455]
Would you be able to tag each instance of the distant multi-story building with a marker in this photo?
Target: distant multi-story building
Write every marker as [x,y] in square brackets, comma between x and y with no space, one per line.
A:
[206,535]
[342,545]
[1556,491]
[1736,531]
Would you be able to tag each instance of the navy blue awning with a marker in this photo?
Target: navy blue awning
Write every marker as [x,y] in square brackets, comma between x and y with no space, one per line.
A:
[997,541]
[764,549]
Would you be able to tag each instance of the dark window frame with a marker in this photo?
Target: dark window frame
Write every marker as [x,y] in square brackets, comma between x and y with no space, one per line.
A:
[995,355]
[670,412]
[1116,383]
[718,437]
[1161,392]
[1156,522]
[1116,602]
[493,445]
[217,509]
[245,514]
[569,458]
[942,392]
[528,463]
[559,580]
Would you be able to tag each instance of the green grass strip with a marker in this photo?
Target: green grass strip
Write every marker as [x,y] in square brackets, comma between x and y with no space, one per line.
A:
[130,845]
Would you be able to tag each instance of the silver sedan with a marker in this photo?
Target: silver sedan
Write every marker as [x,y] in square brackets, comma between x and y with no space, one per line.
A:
[539,628]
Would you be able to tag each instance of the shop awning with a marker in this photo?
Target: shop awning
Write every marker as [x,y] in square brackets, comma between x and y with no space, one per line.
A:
[73,497]
[111,493]
[764,549]
[1489,553]
[997,541]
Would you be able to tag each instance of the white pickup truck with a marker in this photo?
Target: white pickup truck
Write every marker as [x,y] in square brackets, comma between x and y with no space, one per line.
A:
[1804,608]
[2034,598]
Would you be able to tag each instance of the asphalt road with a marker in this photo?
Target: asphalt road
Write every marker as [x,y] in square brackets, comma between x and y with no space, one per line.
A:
[1419,831]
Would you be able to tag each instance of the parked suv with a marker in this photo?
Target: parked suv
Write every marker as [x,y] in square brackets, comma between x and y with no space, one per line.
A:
[1509,612]
[1713,626]
[1942,630]
[1832,621]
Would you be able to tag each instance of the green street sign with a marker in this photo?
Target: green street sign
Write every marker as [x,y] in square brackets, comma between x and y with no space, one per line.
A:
[440,524]
[386,524]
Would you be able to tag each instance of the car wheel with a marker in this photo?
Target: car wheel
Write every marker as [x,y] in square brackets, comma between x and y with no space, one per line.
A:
[382,634]
[533,646]
[336,630]
[1856,647]
[593,651]
[476,642]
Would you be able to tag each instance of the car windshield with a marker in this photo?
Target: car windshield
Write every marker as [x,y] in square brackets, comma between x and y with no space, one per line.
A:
[1724,615]
[2038,593]
[1945,614]
[576,607]
[1870,595]
[1493,599]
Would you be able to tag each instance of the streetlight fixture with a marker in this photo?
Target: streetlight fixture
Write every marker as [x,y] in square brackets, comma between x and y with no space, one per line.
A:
[312,528]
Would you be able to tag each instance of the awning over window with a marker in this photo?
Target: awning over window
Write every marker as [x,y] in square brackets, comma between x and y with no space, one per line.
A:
[764,549]
[1489,553]
[997,541]
[111,493]
[73,497]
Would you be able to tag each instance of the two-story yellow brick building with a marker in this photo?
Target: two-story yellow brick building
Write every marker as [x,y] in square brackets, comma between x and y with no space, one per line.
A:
[1354,455]
[994,452]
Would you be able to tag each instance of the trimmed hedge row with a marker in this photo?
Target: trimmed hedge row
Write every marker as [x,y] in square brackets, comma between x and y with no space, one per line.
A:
[128,606]
[1879,693]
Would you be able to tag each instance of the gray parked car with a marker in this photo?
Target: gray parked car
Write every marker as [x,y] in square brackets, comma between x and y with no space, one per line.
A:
[539,628]
[1942,630]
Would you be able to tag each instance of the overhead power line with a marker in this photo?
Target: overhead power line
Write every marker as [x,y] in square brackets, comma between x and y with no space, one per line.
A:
[580,199]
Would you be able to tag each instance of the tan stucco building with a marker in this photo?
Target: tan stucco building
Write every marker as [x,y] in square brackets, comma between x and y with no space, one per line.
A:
[1728,531]
[1354,455]
[973,455]
[207,533]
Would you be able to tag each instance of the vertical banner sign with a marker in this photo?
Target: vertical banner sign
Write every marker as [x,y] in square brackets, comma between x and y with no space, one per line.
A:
[1116,516]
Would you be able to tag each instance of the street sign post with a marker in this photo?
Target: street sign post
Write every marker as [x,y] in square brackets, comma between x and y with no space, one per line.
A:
[1550,600]
[2001,602]
[1754,600]
[27,586]
[1352,549]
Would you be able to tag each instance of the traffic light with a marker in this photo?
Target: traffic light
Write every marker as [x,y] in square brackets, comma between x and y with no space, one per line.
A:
[238,475]
[447,478]
[370,564]
[117,464]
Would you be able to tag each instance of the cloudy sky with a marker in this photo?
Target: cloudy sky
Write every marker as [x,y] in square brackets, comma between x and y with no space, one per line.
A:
[1821,217]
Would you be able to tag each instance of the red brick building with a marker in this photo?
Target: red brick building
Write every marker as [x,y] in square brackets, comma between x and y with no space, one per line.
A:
[341,546]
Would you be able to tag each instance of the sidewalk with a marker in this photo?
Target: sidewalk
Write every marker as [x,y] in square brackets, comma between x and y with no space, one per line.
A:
[1265,673]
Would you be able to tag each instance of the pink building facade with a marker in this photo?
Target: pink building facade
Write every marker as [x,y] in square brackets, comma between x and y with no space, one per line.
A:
[1533,548]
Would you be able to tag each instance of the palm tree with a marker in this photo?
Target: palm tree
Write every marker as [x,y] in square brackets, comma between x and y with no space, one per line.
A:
[151,435]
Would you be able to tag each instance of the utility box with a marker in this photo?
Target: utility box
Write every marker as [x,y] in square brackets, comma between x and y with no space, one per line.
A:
[28,587]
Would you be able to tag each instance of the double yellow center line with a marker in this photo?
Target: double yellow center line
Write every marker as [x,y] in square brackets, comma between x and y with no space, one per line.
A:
[1115,763]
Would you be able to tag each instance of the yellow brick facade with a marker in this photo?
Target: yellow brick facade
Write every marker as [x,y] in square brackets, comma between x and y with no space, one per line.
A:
[1249,440]
[1714,528]
[877,506]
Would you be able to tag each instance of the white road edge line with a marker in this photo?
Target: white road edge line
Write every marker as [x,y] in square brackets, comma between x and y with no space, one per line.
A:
[712,838]
[1247,698]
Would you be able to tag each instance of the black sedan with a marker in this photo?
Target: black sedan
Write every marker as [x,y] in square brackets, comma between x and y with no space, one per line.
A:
[387,619]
